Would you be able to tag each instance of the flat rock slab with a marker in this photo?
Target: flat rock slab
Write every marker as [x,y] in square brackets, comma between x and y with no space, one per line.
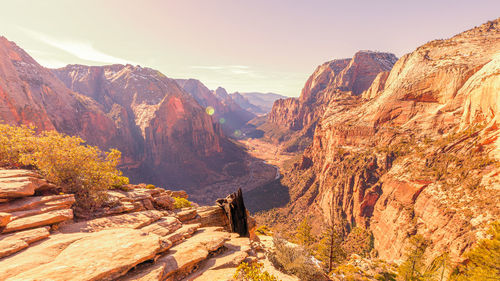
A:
[12,243]
[185,215]
[131,220]
[4,219]
[49,218]
[16,187]
[163,227]
[182,258]
[37,254]
[15,173]
[33,202]
[104,255]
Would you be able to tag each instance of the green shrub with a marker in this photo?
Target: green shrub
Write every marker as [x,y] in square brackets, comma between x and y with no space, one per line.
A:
[181,203]
[253,272]
[150,186]
[83,170]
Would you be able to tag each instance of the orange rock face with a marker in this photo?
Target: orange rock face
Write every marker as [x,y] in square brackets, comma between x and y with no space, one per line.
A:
[351,175]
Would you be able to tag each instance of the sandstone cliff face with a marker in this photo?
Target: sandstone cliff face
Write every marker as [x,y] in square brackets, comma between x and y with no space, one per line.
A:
[377,162]
[165,134]
[226,111]
[32,95]
[329,83]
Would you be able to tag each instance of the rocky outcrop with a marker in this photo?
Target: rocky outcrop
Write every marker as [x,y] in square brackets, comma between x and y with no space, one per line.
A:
[334,81]
[372,159]
[156,125]
[31,95]
[149,242]
[343,75]
[163,128]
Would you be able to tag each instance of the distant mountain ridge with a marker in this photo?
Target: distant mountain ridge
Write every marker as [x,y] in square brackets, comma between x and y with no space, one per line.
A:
[226,111]
[257,103]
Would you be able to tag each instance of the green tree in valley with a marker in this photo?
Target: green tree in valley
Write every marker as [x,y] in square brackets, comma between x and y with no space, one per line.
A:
[484,259]
[304,235]
[329,249]
[411,269]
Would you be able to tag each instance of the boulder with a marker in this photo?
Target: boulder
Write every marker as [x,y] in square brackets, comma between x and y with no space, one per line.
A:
[163,227]
[48,218]
[178,193]
[186,214]
[182,233]
[164,202]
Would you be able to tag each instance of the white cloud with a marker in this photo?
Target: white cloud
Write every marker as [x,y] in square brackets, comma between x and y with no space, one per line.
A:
[81,50]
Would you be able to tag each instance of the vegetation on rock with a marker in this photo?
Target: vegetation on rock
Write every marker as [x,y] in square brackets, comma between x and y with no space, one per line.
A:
[63,160]
[181,203]
[483,261]
[296,260]
[252,272]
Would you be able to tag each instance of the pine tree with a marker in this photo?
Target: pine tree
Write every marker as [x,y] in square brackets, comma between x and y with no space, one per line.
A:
[329,248]
[411,269]
[304,236]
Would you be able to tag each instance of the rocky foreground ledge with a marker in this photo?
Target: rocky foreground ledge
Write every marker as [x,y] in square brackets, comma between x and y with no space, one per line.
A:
[137,237]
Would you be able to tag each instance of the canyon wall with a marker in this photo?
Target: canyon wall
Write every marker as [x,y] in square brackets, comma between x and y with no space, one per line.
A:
[418,154]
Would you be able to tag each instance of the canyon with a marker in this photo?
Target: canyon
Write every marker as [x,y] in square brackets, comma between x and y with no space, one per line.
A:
[414,152]
[397,147]
[162,126]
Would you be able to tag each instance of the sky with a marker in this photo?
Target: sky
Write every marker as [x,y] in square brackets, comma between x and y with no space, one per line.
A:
[258,45]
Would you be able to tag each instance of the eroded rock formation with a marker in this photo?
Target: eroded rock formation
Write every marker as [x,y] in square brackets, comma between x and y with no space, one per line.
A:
[136,238]
[394,162]
[337,80]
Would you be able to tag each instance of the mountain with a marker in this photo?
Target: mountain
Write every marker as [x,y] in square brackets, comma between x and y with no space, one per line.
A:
[32,95]
[167,138]
[340,79]
[415,152]
[226,111]
[257,103]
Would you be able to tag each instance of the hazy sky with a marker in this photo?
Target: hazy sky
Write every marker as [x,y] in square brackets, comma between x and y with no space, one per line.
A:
[258,45]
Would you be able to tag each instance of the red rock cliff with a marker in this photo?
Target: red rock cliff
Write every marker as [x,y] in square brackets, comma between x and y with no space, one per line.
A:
[377,162]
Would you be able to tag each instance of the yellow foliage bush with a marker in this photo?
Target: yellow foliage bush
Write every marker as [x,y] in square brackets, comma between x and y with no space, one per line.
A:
[63,160]
[181,203]
[253,272]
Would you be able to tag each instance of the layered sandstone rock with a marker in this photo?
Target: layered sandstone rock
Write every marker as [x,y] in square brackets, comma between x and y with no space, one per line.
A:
[354,175]
[332,81]
[136,244]
[162,128]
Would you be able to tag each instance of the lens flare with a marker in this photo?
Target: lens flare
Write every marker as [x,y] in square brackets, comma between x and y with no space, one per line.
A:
[210,110]
[222,120]
[237,133]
